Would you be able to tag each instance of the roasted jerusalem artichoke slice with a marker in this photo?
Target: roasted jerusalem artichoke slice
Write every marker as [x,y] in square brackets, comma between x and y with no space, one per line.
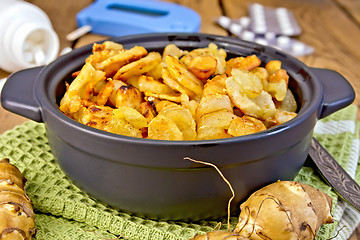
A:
[111,65]
[162,128]
[245,125]
[277,81]
[179,71]
[245,91]
[71,102]
[183,119]
[126,121]
[149,84]
[17,218]
[243,63]
[212,50]
[215,124]
[212,103]
[203,66]
[138,67]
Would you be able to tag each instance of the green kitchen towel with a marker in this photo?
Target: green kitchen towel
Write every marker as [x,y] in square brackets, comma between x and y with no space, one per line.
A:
[63,211]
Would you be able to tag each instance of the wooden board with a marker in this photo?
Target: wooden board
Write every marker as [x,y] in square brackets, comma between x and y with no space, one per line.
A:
[331,26]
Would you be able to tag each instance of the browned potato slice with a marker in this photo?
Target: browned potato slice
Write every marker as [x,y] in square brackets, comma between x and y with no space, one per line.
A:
[262,106]
[277,90]
[97,80]
[107,45]
[71,102]
[282,116]
[87,103]
[218,119]
[162,128]
[243,63]
[207,133]
[212,103]
[147,111]
[261,73]
[248,82]
[133,81]
[120,126]
[220,56]
[105,93]
[131,116]
[215,86]
[203,66]
[88,89]
[278,84]
[273,66]
[112,97]
[183,120]
[156,72]
[138,67]
[128,96]
[164,104]
[191,105]
[211,50]
[94,116]
[148,84]
[112,64]
[83,115]
[179,72]
[98,87]
[172,50]
[174,97]
[245,125]
[288,103]
[174,84]
[104,51]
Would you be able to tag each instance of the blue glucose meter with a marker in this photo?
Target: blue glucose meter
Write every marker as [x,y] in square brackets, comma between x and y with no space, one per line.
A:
[125,17]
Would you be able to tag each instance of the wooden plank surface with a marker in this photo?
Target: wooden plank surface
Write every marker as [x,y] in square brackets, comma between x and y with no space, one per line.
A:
[351,8]
[332,27]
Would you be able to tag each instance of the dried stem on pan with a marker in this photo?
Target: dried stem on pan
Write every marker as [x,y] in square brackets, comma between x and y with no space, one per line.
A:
[226,181]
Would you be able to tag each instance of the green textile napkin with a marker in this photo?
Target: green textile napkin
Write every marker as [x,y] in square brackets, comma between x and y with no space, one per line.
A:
[63,211]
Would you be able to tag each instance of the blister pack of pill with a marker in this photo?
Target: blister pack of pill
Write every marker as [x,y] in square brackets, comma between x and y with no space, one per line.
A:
[268,26]
[279,21]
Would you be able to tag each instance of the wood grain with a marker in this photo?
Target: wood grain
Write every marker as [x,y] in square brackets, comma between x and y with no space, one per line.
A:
[351,8]
[332,27]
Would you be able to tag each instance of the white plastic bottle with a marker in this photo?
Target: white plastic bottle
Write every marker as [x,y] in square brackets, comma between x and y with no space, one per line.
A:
[27,38]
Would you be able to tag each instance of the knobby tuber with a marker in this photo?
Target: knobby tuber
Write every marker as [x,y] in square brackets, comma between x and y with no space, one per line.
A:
[284,210]
[17,218]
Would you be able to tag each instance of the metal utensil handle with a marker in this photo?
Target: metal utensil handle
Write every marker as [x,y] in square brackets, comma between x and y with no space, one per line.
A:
[335,175]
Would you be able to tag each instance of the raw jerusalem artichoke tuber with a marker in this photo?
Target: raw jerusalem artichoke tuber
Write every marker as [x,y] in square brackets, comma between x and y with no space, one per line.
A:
[284,210]
[17,218]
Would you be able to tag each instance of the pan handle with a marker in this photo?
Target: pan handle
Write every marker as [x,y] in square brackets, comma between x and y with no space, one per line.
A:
[18,96]
[338,92]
